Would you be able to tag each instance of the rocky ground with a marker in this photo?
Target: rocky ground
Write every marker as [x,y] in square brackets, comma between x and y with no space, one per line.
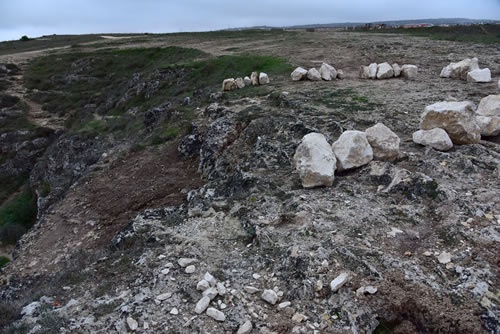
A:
[126,244]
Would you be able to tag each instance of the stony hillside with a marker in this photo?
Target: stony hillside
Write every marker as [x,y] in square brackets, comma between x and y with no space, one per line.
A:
[139,197]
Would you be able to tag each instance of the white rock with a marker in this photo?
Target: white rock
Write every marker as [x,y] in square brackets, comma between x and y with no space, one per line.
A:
[456,118]
[256,276]
[436,138]
[202,305]
[315,161]
[263,78]
[240,83]
[202,285]
[210,279]
[352,150]
[489,106]
[327,72]
[184,262]
[254,78]
[132,324]
[444,258]
[29,309]
[270,296]
[211,293]
[284,305]
[397,69]
[483,75]
[221,289]
[298,317]
[384,71]
[372,70]
[340,75]
[364,72]
[164,296]
[299,74]
[247,81]
[409,72]
[366,289]
[246,328]
[251,289]
[339,282]
[190,269]
[313,75]
[489,126]
[229,84]
[384,142]
[216,314]
[459,70]
[174,311]
[165,271]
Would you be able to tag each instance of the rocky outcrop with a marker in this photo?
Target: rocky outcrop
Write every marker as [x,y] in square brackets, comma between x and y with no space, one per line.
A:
[327,72]
[384,142]
[313,75]
[456,118]
[315,161]
[479,76]
[299,74]
[352,150]
[436,138]
[384,71]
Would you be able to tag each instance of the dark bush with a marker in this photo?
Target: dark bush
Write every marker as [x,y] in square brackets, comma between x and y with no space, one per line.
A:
[24,38]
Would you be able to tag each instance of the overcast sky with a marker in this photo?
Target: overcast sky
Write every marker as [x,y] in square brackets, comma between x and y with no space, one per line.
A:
[43,17]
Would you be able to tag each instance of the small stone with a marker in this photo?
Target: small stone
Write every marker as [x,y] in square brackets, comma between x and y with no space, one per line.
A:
[216,314]
[366,289]
[256,276]
[164,296]
[319,285]
[190,269]
[338,282]
[202,305]
[444,258]
[221,289]
[211,293]
[210,279]
[246,328]
[202,285]
[132,324]
[364,72]
[184,262]
[270,296]
[340,75]
[427,253]
[174,311]
[298,317]
[251,290]
[165,271]
[284,305]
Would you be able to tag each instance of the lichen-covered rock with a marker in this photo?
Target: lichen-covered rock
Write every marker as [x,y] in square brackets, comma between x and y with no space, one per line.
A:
[456,118]
[384,142]
[409,72]
[352,150]
[299,74]
[384,71]
[489,106]
[436,138]
[315,161]
[313,75]
[327,72]
[479,76]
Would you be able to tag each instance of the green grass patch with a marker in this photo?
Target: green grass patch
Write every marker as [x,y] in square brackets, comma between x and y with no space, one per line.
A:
[3,261]
[345,100]
[17,215]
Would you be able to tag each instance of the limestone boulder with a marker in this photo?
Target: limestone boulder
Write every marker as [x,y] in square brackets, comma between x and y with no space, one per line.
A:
[364,72]
[456,118]
[315,161]
[352,150]
[436,138]
[384,142]
[254,78]
[327,72]
[229,84]
[247,81]
[409,72]
[483,75]
[384,71]
[240,83]
[263,78]
[489,106]
[397,70]
[299,74]
[460,69]
[313,75]
[489,126]
[372,70]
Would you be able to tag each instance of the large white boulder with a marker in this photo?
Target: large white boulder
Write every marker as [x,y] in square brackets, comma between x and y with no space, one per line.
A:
[254,77]
[315,161]
[483,75]
[352,150]
[372,70]
[229,84]
[489,106]
[327,72]
[384,71]
[397,69]
[436,138]
[340,75]
[364,72]
[489,126]
[384,142]
[313,75]
[459,70]
[409,72]
[299,74]
[456,118]
[263,78]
